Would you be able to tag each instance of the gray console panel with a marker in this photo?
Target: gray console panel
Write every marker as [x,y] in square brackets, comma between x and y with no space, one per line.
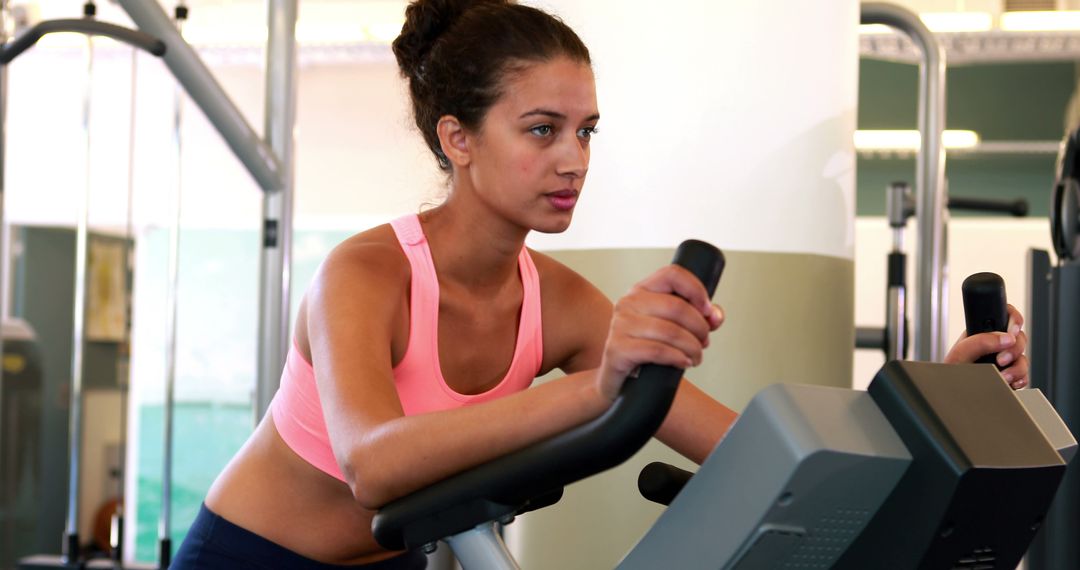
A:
[791,485]
[1048,420]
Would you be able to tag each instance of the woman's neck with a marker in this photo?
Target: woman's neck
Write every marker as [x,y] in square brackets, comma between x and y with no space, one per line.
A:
[472,247]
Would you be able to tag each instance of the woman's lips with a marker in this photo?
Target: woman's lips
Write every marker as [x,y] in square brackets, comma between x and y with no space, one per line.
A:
[563,200]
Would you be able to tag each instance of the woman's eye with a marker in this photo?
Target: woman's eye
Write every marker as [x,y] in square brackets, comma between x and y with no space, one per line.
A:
[586,133]
[542,130]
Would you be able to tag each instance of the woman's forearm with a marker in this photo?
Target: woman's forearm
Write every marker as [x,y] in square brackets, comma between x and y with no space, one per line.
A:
[408,453]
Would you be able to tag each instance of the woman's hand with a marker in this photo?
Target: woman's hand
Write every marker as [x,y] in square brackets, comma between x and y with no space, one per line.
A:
[651,325]
[1009,345]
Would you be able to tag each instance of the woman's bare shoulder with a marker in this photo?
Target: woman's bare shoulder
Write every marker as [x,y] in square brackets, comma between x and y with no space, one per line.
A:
[375,252]
[367,266]
[559,280]
[575,313]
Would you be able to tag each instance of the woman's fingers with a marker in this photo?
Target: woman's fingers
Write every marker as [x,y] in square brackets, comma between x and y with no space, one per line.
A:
[970,348]
[1016,320]
[664,319]
[679,281]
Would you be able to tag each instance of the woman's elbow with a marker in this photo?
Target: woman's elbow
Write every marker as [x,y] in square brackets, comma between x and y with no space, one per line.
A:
[367,489]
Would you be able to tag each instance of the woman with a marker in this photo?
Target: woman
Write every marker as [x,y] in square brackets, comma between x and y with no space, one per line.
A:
[416,340]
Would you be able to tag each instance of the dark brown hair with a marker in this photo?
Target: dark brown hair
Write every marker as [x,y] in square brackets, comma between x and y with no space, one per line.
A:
[456,54]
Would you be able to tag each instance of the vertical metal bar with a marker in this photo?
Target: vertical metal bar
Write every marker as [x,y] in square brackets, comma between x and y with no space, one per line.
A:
[275,266]
[79,324]
[930,316]
[896,330]
[171,303]
[4,245]
[205,92]
[5,19]
[116,524]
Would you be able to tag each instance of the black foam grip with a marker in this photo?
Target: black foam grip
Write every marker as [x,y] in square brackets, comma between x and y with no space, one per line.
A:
[164,553]
[985,307]
[660,482]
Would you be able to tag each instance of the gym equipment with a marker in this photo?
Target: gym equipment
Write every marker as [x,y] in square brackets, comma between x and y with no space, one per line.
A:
[165,518]
[935,466]
[270,162]
[20,440]
[1053,326]
[930,316]
[985,309]
[89,27]
[894,338]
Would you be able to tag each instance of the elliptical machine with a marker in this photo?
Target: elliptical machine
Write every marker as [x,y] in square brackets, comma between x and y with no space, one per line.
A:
[935,466]
[1054,326]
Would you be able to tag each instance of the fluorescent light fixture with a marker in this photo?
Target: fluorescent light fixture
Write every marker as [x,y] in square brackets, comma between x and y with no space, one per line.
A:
[911,140]
[958,21]
[873,29]
[943,22]
[1060,20]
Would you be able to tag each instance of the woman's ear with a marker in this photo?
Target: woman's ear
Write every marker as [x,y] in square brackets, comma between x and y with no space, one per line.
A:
[453,140]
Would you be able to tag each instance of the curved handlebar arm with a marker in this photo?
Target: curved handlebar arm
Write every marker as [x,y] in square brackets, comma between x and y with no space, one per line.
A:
[81,26]
[515,479]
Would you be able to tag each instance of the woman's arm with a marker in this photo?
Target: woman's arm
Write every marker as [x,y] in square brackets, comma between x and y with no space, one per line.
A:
[351,311]
[384,454]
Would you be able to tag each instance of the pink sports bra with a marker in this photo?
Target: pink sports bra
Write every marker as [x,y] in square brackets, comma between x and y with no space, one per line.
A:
[297,411]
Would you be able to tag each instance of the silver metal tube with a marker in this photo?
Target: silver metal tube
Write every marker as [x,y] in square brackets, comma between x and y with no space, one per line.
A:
[78,328]
[897,204]
[482,548]
[276,259]
[930,317]
[8,532]
[4,245]
[205,91]
[895,313]
[171,297]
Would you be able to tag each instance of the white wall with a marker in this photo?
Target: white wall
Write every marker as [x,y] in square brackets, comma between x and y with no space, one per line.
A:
[715,120]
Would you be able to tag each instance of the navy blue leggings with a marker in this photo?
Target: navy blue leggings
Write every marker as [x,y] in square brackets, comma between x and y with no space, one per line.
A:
[214,542]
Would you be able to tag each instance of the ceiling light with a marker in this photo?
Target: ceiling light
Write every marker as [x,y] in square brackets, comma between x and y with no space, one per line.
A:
[940,22]
[899,140]
[1060,20]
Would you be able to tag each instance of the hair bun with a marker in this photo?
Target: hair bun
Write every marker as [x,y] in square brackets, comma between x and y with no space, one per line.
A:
[425,21]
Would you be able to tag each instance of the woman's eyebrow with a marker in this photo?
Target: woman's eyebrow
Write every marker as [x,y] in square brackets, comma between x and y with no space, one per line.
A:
[555,114]
[544,113]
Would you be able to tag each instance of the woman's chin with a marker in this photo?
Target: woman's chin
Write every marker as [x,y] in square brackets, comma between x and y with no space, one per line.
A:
[553,226]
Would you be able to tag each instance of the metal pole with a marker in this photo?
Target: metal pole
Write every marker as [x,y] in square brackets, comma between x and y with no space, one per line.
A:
[205,91]
[896,295]
[482,547]
[275,263]
[8,531]
[171,303]
[930,316]
[5,18]
[71,542]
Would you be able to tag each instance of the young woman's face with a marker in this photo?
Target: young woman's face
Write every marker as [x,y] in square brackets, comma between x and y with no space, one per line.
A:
[532,152]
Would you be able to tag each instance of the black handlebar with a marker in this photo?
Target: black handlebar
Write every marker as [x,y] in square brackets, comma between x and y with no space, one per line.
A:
[660,482]
[985,307]
[515,479]
[1018,207]
[82,26]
